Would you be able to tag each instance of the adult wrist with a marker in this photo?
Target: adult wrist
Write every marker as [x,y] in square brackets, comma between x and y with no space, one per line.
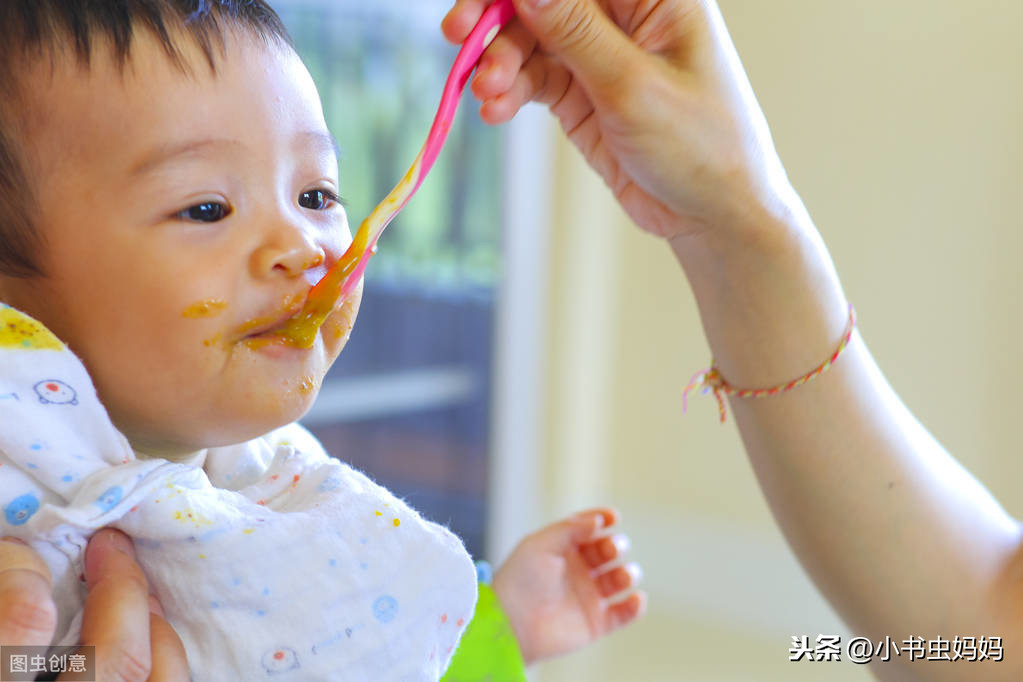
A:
[752,231]
[769,299]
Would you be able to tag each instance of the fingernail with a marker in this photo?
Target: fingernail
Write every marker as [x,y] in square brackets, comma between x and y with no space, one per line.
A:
[536,4]
[635,571]
[114,540]
[109,539]
[121,543]
[622,543]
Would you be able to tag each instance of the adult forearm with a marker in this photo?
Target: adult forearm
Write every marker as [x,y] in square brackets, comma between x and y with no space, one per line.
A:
[901,539]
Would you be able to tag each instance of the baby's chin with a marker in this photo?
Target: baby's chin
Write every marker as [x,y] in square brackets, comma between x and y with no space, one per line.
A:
[256,404]
[183,439]
[294,403]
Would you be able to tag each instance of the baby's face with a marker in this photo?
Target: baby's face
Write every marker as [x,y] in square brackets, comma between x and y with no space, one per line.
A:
[182,215]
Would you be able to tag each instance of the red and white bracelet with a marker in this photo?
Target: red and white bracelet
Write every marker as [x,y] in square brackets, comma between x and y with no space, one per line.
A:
[710,379]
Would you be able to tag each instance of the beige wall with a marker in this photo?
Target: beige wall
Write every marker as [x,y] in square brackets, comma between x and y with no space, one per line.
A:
[898,121]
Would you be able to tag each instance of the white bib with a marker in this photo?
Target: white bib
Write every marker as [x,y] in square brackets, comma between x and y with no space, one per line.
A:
[275,561]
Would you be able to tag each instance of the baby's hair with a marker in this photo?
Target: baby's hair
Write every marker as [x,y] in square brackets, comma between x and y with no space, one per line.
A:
[31,30]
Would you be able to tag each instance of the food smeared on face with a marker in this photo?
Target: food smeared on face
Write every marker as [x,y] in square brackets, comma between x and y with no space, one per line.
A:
[337,285]
[208,308]
[307,385]
[300,331]
[264,329]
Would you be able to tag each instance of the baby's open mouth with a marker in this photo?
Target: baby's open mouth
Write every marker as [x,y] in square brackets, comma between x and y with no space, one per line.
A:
[272,327]
[268,327]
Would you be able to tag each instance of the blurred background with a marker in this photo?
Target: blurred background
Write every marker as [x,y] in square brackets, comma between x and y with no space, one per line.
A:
[522,348]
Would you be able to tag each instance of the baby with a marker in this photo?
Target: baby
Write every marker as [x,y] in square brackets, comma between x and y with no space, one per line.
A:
[168,195]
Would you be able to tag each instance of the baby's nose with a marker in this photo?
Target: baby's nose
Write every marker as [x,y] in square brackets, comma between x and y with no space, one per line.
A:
[289,252]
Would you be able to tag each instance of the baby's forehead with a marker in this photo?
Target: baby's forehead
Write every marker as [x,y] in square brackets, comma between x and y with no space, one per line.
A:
[69,111]
[40,27]
[40,39]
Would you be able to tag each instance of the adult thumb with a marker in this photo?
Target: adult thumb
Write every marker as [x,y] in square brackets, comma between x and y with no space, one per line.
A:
[582,37]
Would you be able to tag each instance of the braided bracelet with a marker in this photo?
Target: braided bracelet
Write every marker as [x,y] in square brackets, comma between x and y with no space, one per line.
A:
[711,380]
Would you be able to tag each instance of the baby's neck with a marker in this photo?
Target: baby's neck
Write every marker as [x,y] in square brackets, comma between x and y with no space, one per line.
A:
[196,457]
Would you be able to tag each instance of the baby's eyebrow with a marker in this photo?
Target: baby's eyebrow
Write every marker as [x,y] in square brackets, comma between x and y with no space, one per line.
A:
[322,140]
[165,153]
[319,140]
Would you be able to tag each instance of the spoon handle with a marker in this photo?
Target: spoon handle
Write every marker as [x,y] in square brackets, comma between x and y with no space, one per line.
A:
[364,244]
[337,284]
[486,29]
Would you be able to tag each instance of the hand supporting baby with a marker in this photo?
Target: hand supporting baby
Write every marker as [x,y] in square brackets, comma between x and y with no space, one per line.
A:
[121,619]
[563,587]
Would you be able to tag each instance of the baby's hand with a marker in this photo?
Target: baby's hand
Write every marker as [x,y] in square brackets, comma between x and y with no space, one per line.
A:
[559,584]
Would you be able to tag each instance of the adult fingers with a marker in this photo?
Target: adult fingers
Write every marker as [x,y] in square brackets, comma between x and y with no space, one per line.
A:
[541,79]
[117,617]
[503,60]
[168,653]
[461,19]
[28,615]
[584,38]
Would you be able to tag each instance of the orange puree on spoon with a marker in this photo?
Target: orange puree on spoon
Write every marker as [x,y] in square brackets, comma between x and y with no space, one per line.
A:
[335,287]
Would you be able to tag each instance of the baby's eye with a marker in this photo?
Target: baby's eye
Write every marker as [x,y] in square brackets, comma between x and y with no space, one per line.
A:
[318,199]
[208,212]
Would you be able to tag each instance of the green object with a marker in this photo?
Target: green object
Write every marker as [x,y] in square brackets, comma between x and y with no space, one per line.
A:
[488,651]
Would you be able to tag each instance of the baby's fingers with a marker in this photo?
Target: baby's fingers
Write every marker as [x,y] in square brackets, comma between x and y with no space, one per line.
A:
[624,612]
[604,550]
[618,580]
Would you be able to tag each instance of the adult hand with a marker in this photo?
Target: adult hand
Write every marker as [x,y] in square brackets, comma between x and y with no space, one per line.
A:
[28,615]
[121,619]
[651,92]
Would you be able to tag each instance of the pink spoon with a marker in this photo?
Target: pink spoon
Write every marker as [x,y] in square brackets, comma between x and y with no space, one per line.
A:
[342,277]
